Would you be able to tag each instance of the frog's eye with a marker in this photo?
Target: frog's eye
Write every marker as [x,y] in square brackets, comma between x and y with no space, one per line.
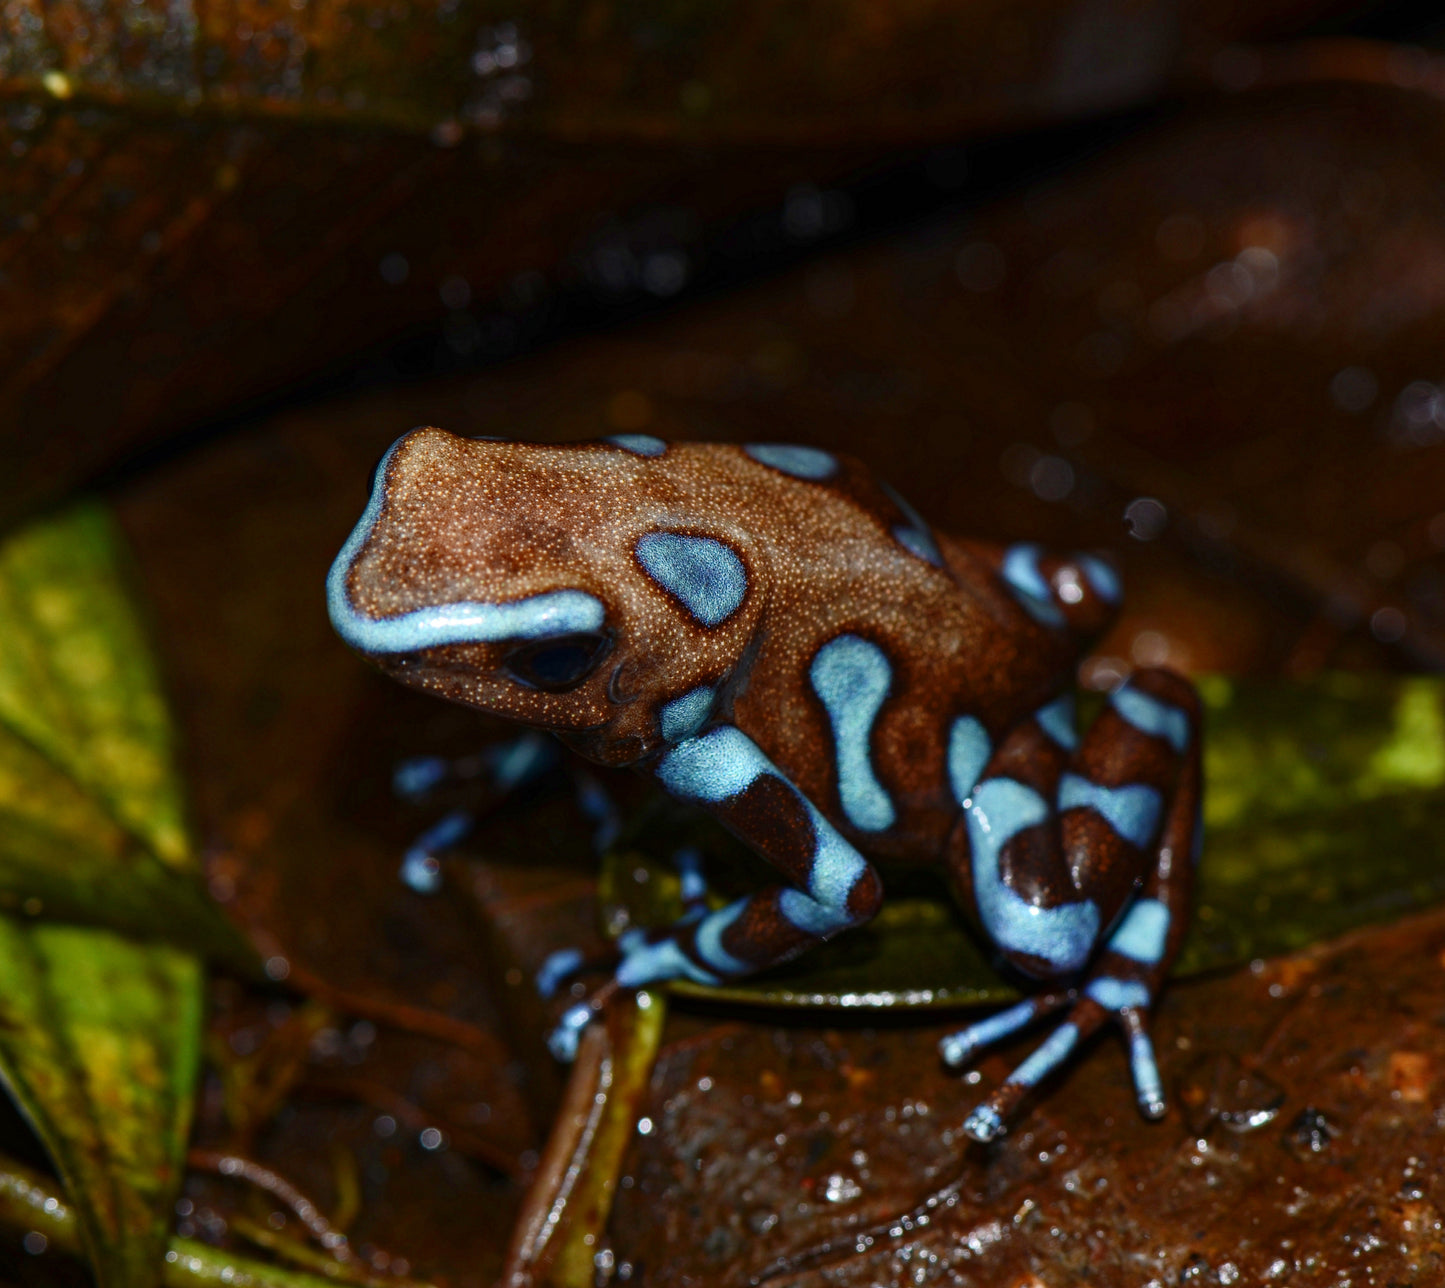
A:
[558,665]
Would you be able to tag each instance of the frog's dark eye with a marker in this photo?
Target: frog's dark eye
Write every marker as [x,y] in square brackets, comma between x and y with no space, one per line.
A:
[558,665]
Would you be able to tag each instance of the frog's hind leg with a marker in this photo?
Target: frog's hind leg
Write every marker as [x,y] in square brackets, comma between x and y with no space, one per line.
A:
[1063,849]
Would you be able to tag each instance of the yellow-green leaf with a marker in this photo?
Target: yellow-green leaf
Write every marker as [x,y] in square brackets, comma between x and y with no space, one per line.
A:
[104,923]
[99,1045]
[91,812]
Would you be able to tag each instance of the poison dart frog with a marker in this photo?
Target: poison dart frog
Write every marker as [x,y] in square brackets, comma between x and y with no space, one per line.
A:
[779,638]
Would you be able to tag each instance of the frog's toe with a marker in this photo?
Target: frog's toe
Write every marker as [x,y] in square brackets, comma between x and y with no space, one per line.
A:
[958,1049]
[1148,1087]
[421,867]
[557,969]
[562,1041]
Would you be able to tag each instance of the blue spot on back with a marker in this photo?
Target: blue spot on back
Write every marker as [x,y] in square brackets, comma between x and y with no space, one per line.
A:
[707,577]
[851,676]
[914,536]
[637,444]
[810,463]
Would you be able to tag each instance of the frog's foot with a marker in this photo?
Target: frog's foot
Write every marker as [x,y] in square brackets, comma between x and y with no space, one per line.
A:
[503,767]
[645,955]
[1125,1001]
[563,1040]
[421,867]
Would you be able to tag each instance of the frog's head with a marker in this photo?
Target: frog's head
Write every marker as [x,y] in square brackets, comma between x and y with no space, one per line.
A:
[572,587]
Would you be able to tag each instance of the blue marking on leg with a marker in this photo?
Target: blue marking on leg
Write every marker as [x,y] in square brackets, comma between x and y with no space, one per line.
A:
[708,939]
[521,760]
[562,1041]
[1051,1053]
[1020,568]
[851,676]
[836,866]
[1149,715]
[637,444]
[968,752]
[599,807]
[915,537]
[420,868]
[713,766]
[682,717]
[1132,811]
[1148,1086]
[1196,839]
[1102,577]
[704,575]
[560,965]
[662,960]
[1057,720]
[1117,994]
[958,1048]
[812,916]
[809,463]
[688,862]
[1063,936]
[416,776]
[1143,932]
[722,763]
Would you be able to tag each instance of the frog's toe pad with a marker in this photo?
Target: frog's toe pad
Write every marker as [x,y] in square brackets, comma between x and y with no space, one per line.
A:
[984,1124]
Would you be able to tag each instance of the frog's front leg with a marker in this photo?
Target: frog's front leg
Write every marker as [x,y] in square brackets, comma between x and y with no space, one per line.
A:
[830,886]
[1065,847]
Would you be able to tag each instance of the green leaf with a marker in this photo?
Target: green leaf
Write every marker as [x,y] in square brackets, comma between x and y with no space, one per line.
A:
[1323,812]
[91,812]
[101,1000]
[100,1046]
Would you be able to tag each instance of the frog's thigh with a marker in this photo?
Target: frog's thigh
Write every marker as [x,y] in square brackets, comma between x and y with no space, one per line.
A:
[1056,836]
[830,885]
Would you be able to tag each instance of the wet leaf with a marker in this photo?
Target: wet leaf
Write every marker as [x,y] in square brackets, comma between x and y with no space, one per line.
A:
[1323,812]
[91,813]
[99,1029]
